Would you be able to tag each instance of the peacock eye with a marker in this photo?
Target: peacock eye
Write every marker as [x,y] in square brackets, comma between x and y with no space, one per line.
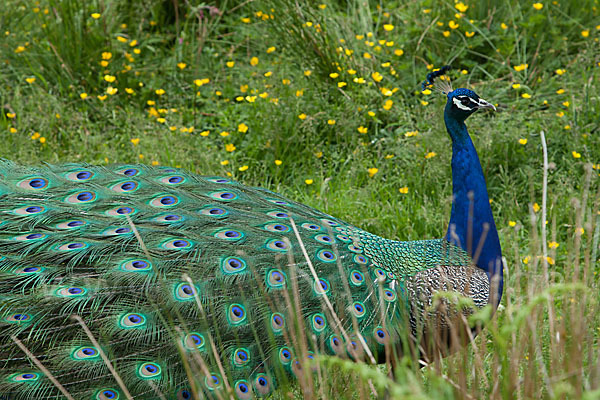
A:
[465,101]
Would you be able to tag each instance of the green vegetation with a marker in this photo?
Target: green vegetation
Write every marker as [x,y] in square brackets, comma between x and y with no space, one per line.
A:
[322,102]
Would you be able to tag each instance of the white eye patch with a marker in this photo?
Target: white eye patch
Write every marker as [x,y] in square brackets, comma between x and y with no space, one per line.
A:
[458,103]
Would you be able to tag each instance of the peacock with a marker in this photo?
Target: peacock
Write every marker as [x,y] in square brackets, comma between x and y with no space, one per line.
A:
[146,282]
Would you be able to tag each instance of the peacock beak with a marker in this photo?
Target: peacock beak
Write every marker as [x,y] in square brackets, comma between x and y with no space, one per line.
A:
[484,104]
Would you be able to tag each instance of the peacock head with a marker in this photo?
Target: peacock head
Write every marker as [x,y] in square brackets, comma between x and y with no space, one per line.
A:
[464,102]
[461,102]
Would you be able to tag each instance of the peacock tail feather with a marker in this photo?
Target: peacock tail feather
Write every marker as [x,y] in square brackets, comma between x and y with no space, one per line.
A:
[149,282]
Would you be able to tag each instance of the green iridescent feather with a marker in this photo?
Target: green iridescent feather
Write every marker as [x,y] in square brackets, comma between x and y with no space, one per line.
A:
[164,266]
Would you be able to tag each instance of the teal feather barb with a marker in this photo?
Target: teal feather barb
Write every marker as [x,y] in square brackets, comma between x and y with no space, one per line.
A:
[186,286]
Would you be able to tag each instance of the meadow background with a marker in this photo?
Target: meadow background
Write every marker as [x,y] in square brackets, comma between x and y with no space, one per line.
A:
[321,102]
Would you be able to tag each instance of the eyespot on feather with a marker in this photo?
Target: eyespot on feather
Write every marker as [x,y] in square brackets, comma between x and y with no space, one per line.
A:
[132,320]
[185,291]
[216,212]
[85,353]
[194,341]
[79,175]
[107,394]
[84,197]
[35,183]
[262,384]
[125,187]
[149,370]
[164,201]
[243,390]
[213,382]
[136,265]
[29,210]
[73,224]
[121,211]
[177,244]
[172,180]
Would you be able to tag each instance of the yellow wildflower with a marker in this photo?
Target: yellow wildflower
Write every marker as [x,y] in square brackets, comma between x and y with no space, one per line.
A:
[224,134]
[243,168]
[160,92]
[334,75]
[230,147]
[243,128]
[536,207]
[431,154]
[308,181]
[372,171]
[362,129]
[129,90]
[135,141]
[109,78]
[585,33]
[460,6]
[523,141]
[388,27]
[387,105]
[452,25]
[30,80]
[331,121]
[83,95]
[521,67]
[398,52]
[225,162]
[201,82]
[377,77]
[553,245]
[254,61]
[278,162]
[271,49]
[516,85]
[96,15]
[526,96]
[181,65]
[230,64]
[302,116]
[111,90]
[512,224]
[576,154]
[469,34]
[403,190]
[538,6]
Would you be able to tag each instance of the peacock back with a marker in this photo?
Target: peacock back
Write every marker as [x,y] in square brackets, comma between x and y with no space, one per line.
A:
[152,282]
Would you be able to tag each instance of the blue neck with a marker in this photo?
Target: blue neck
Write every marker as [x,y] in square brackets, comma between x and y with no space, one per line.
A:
[471,224]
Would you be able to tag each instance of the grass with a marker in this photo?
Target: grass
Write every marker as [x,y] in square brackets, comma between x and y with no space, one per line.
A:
[370,148]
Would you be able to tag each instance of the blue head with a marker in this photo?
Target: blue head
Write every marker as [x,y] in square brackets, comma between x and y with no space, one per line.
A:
[464,102]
